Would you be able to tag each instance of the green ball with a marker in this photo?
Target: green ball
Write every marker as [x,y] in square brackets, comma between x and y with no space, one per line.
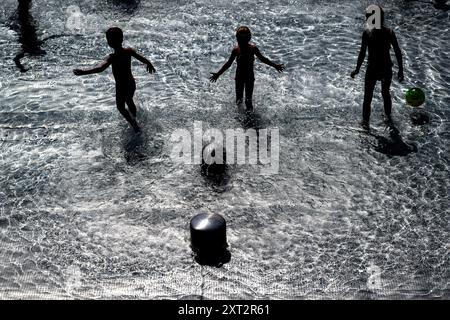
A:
[415,97]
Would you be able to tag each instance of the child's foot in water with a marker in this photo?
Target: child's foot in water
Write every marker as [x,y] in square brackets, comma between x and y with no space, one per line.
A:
[240,107]
[136,128]
[365,125]
[388,120]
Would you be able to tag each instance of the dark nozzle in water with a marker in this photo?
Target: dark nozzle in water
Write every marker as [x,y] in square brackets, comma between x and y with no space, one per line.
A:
[213,159]
[209,239]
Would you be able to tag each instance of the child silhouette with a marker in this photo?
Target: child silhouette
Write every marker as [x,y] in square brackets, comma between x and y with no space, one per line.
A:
[379,67]
[120,60]
[244,53]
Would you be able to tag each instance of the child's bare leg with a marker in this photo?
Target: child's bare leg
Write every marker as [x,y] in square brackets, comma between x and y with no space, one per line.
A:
[239,91]
[121,107]
[369,85]
[249,85]
[385,88]
[131,106]
[129,98]
[240,85]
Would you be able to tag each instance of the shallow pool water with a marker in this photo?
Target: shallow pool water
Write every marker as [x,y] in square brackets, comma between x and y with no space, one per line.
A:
[89,210]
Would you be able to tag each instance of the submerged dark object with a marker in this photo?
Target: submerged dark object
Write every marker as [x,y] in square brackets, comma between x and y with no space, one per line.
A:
[209,239]
[127,6]
[211,162]
[216,174]
[419,118]
[441,4]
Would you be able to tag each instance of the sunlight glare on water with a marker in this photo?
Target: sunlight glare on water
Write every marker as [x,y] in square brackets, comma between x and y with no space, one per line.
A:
[88,210]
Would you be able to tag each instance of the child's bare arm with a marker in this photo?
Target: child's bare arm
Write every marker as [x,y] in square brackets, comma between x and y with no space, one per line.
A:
[224,68]
[263,59]
[97,69]
[361,56]
[150,67]
[398,55]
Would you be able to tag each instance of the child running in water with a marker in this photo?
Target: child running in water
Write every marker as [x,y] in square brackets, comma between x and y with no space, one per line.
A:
[120,60]
[379,67]
[244,53]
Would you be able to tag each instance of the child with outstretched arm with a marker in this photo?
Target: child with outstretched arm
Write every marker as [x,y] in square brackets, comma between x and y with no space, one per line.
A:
[120,60]
[244,54]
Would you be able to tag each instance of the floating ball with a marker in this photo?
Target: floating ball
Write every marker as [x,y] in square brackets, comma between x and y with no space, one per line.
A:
[415,97]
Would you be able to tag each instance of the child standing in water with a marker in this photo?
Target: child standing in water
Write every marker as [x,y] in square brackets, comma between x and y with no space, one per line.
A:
[379,67]
[120,60]
[244,53]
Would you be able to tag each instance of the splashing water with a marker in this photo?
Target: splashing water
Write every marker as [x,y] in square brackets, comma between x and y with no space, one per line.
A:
[88,210]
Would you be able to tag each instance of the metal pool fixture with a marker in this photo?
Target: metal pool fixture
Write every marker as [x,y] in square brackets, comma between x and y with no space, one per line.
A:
[208,235]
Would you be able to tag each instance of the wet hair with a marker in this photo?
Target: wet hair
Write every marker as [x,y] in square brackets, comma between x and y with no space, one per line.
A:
[243,34]
[368,15]
[114,35]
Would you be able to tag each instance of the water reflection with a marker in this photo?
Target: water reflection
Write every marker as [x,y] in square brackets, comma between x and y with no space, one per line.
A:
[251,120]
[394,144]
[28,38]
[134,147]
[216,175]
[126,6]
[138,147]
[213,259]
[441,4]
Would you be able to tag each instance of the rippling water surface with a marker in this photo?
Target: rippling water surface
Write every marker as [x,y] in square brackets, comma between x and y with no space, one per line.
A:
[87,210]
